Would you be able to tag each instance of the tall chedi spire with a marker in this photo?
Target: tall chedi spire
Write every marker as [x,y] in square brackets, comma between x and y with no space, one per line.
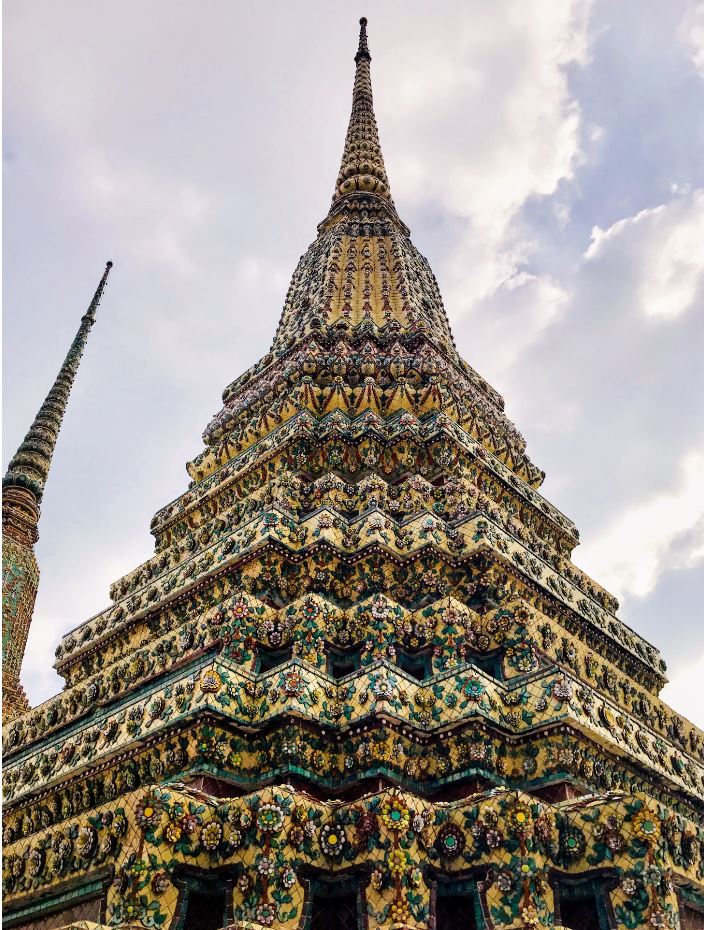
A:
[23,489]
[360,682]
[363,279]
[362,275]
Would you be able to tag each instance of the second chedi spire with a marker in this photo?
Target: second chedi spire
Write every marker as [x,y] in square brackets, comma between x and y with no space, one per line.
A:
[23,489]
[29,467]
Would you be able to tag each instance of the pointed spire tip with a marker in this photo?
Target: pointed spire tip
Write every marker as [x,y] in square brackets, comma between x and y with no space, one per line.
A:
[29,467]
[363,50]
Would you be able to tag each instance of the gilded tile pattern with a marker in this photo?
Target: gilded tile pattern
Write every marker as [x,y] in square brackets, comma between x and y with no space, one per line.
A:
[360,650]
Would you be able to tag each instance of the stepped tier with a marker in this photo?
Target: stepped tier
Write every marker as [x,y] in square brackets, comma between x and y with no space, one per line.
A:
[355,379]
[275,848]
[233,521]
[523,695]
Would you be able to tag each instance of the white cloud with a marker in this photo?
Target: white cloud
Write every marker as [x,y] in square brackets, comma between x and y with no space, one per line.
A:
[254,274]
[504,128]
[501,127]
[691,32]
[515,316]
[630,553]
[63,604]
[666,244]
[685,691]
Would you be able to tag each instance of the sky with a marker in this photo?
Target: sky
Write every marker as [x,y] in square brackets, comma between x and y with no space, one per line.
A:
[548,159]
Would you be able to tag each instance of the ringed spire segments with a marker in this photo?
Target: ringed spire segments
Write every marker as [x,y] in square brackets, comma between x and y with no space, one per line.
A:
[362,169]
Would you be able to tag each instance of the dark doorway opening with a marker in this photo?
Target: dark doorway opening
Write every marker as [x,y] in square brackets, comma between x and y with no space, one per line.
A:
[417,664]
[344,663]
[205,910]
[206,899]
[580,914]
[268,659]
[455,912]
[457,906]
[335,905]
[584,904]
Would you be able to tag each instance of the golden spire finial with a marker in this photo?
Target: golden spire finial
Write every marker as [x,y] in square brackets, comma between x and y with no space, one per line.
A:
[362,169]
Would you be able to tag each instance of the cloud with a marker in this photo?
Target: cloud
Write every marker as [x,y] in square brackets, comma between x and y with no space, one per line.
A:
[513,317]
[691,33]
[670,615]
[608,393]
[501,126]
[163,213]
[64,604]
[667,247]
[624,384]
[685,692]
[500,96]
[632,551]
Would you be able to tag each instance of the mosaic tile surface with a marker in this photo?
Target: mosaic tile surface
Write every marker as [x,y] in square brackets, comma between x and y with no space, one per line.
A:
[360,661]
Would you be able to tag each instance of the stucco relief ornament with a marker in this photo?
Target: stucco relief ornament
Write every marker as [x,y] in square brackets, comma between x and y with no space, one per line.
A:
[270,818]
[450,841]
[210,682]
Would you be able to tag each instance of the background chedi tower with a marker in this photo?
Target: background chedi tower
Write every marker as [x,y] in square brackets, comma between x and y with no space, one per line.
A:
[23,488]
[359,683]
